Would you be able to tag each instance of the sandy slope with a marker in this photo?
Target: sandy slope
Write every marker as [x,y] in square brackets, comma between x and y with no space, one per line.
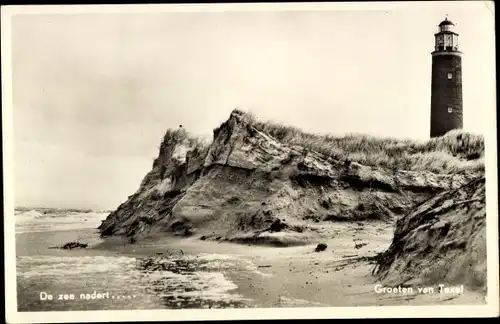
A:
[442,240]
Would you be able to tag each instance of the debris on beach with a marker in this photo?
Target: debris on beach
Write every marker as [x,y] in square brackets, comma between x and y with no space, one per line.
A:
[359,245]
[74,245]
[321,247]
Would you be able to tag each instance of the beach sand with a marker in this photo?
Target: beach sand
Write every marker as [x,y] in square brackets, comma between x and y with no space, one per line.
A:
[281,276]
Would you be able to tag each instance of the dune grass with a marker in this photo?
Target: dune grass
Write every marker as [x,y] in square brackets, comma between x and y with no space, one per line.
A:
[455,152]
[197,144]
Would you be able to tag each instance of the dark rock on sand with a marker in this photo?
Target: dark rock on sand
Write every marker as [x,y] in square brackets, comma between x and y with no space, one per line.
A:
[321,247]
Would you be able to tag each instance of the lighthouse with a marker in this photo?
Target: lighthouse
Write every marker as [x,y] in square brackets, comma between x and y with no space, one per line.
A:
[446,88]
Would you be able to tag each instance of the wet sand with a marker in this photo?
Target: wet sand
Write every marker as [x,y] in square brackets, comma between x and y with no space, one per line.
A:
[298,276]
[283,277]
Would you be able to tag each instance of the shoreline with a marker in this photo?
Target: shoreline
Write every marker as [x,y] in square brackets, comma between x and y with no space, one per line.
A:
[281,276]
[58,230]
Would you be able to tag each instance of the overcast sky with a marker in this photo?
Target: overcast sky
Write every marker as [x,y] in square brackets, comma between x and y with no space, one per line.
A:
[94,93]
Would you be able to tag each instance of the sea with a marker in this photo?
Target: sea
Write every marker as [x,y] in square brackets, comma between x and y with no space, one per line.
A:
[52,279]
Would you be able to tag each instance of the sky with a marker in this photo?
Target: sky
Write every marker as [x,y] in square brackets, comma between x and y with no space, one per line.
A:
[94,92]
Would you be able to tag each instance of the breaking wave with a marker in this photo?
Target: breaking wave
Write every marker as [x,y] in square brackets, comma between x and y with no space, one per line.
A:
[28,221]
[171,282]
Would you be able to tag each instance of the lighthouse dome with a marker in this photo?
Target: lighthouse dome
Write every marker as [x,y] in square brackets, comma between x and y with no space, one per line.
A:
[446,22]
[446,25]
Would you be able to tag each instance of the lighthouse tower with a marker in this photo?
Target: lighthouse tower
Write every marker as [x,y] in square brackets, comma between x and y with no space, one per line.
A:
[446,91]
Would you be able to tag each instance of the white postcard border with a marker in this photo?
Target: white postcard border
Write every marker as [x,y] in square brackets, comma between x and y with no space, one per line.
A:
[490,309]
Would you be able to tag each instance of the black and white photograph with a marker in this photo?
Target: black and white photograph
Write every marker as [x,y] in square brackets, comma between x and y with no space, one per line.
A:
[249,161]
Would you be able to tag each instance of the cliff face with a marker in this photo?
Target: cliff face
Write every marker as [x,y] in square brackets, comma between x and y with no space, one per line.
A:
[442,241]
[248,186]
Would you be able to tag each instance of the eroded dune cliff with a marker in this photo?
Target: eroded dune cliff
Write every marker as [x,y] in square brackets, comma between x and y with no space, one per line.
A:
[442,241]
[250,186]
